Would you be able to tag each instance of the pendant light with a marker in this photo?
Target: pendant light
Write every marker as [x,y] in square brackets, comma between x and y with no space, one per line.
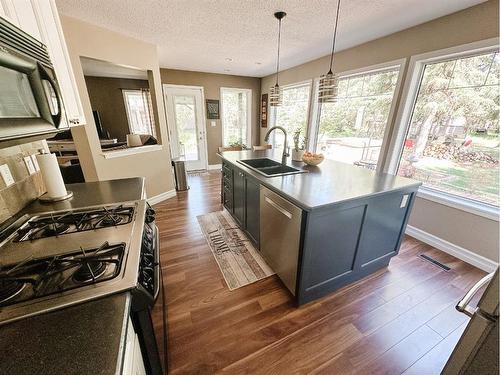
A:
[328,87]
[275,93]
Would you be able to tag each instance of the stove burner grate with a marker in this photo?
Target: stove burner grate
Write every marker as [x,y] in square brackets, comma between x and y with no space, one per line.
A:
[89,271]
[10,289]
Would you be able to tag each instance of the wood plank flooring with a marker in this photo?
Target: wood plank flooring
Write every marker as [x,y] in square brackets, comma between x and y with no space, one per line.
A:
[398,320]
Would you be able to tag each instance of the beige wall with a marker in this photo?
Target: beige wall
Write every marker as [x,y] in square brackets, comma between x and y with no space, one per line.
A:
[475,233]
[84,39]
[211,85]
[106,97]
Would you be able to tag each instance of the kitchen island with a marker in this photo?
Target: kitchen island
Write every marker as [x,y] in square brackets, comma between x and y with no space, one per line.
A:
[321,229]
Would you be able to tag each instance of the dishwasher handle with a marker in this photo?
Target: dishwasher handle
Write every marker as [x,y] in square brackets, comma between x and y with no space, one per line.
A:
[278,207]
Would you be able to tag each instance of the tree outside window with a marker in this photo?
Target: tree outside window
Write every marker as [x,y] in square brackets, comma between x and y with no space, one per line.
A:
[452,144]
[351,129]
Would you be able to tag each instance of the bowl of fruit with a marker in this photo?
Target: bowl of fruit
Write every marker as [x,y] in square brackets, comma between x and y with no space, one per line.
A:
[310,158]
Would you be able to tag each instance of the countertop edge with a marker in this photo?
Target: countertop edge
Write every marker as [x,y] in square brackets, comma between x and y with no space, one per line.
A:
[306,207]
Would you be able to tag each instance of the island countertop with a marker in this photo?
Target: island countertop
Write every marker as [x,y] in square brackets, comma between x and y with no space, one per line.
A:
[327,184]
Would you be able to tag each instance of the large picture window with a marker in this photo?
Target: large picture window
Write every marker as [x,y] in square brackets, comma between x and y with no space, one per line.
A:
[293,113]
[452,143]
[139,111]
[236,118]
[351,130]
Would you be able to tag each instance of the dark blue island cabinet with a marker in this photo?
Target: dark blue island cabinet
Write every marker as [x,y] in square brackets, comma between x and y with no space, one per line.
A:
[348,241]
[340,242]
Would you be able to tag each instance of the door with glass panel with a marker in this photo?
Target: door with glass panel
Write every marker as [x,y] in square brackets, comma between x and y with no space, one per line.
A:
[186,125]
[352,129]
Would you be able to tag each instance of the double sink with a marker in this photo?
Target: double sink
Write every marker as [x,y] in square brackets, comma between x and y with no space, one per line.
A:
[270,168]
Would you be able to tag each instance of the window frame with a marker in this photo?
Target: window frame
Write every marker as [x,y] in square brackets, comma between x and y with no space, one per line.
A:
[249,113]
[400,65]
[149,108]
[272,112]
[414,74]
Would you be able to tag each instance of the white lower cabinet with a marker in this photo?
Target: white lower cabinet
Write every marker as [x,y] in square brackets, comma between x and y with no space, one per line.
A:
[40,19]
[133,363]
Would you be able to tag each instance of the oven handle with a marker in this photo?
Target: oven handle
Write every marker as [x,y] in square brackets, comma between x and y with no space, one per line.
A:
[157,262]
[463,305]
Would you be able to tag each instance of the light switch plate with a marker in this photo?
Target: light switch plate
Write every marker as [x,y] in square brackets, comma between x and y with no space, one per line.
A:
[6,175]
[404,201]
[35,162]
[29,165]
[213,124]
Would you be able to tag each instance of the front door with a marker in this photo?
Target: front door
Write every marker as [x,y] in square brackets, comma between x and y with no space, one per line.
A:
[186,124]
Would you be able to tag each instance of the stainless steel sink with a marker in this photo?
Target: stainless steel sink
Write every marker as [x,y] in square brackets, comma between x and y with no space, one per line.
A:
[269,167]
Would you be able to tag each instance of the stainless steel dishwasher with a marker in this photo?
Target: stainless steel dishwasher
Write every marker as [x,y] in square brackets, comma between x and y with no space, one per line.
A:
[280,223]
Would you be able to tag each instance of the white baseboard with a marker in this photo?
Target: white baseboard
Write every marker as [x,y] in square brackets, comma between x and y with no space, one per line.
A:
[212,167]
[459,252]
[161,197]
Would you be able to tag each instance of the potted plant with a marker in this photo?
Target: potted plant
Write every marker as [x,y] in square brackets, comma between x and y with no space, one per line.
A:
[298,146]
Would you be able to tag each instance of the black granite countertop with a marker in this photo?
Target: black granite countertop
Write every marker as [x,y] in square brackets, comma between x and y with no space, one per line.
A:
[329,183]
[88,338]
[94,194]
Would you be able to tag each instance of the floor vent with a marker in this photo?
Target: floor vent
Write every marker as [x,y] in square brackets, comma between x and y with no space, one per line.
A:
[435,262]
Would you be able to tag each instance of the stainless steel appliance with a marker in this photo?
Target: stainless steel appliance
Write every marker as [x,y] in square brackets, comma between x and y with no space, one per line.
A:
[280,235]
[57,259]
[30,100]
[477,350]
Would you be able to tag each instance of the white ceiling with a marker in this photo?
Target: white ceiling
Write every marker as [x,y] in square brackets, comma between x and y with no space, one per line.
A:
[99,68]
[200,35]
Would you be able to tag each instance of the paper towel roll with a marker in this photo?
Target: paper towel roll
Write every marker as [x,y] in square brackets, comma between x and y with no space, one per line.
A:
[51,175]
[134,140]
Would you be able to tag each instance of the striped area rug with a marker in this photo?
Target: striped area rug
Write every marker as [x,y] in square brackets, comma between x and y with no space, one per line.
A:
[238,259]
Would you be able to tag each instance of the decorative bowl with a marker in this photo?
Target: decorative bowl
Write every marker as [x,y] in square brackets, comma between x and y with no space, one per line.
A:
[312,159]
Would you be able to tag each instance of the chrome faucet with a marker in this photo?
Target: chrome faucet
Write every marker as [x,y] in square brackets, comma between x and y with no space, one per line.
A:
[285,153]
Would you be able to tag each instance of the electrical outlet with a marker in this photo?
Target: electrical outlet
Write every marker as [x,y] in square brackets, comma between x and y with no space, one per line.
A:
[404,201]
[29,165]
[35,162]
[6,175]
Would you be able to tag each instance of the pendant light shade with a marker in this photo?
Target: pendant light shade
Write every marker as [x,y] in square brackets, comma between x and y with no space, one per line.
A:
[328,87]
[275,92]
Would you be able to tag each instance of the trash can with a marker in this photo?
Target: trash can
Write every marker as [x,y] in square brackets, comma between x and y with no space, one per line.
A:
[180,175]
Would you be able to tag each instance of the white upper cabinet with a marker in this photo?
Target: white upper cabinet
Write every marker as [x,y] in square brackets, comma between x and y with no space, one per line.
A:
[40,19]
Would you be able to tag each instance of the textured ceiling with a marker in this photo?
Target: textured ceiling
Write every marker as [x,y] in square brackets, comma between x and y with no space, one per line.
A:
[201,35]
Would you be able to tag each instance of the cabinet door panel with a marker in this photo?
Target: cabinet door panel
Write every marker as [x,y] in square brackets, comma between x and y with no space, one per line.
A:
[239,197]
[382,227]
[332,240]
[253,209]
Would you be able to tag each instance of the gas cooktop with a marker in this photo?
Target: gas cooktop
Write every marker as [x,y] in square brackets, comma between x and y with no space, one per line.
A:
[56,259]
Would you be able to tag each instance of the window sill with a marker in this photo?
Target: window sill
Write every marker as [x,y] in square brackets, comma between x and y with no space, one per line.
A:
[130,151]
[476,208]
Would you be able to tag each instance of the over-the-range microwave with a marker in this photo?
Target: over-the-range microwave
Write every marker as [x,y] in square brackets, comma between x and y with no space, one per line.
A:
[30,101]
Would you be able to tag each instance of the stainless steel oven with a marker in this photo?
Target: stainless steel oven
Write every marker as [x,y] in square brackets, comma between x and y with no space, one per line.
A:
[148,301]
[30,100]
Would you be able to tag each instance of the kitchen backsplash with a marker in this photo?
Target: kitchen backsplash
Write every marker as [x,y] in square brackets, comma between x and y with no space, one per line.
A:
[26,187]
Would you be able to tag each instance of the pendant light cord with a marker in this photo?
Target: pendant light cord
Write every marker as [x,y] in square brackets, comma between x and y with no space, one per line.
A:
[278,61]
[334,35]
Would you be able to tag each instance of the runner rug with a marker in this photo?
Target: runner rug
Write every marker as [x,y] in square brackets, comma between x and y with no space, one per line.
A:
[238,259]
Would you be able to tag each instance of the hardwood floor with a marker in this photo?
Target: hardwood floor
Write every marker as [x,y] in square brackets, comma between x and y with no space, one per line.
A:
[398,320]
